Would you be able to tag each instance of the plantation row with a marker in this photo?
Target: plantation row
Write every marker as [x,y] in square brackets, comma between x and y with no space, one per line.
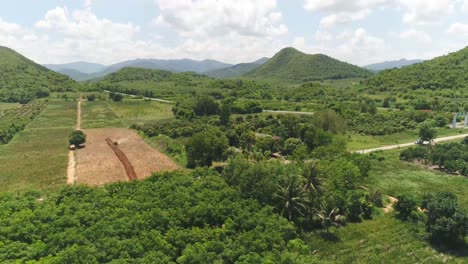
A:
[13,121]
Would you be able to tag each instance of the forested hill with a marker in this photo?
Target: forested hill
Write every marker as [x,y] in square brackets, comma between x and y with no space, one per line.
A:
[139,74]
[446,72]
[291,65]
[22,80]
[151,83]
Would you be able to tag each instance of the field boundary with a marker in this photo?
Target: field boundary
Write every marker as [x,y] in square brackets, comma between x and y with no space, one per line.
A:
[129,170]
[71,171]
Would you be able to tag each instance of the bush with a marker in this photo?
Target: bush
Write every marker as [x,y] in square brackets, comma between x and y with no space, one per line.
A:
[77,138]
[446,221]
[91,97]
[405,206]
[205,147]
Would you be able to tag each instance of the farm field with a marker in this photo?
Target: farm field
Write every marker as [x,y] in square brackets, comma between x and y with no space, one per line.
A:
[36,158]
[97,164]
[100,114]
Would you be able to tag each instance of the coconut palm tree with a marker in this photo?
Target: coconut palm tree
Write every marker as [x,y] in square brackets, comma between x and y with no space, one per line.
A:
[292,198]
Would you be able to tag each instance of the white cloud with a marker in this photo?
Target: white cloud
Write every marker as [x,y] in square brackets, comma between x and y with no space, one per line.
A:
[465,6]
[219,17]
[341,12]
[415,35]
[342,18]
[458,29]
[344,5]
[9,28]
[357,47]
[426,11]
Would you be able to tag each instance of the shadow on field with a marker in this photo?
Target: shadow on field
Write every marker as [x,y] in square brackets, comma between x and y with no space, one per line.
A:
[459,249]
[330,237]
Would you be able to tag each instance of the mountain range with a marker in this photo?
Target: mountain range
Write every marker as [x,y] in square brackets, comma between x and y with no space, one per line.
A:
[391,64]
[289,65]
[82,71]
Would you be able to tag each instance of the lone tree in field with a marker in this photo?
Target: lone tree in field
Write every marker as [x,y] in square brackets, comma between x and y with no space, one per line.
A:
[77,138]
[427,133]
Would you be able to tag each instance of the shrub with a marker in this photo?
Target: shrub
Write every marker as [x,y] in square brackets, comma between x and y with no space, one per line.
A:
[91,97]
[405,206]
[77,138]
[446,221]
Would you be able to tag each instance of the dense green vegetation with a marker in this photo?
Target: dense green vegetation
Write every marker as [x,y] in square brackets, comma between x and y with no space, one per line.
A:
[291,65]
[22,80]
[446,74]
[176,217]
[451,157]
[14,120]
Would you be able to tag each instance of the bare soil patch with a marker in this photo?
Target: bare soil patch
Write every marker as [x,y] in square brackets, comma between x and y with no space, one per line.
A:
[98,164]
[390,207]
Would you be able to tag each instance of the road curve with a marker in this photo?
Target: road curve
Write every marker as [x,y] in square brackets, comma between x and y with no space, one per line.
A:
[365,151]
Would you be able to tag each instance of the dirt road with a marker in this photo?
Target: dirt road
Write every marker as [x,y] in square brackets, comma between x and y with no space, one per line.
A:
[288,112]
[71,154]
[365,151]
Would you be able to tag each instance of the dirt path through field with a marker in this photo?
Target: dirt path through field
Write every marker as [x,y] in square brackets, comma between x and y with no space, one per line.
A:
[78,115]
[71,154]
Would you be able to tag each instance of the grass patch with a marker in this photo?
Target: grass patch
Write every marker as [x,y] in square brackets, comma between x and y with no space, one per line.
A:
[358,142]
[37,157]
[139,111]
[102,114]
[98,114]
[384,239]
[7,106]
[395,177]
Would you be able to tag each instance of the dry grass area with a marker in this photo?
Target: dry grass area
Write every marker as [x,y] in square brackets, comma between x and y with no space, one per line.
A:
[97,163]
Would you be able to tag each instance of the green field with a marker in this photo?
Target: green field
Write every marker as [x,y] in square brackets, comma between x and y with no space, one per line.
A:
[37,157]
[98,114]
[384,239]
[6,106]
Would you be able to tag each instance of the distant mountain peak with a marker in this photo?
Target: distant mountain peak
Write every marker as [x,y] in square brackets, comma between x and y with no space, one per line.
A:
[292,65]
[391,64]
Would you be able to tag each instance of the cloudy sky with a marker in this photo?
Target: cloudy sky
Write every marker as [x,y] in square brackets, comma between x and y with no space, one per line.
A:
[109,31]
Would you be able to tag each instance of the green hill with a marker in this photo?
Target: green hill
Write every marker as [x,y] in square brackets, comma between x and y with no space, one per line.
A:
[445,72]
[291,65]
[151,83]
[22,79]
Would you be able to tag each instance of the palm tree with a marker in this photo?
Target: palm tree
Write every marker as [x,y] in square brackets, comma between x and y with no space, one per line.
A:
[292,198]
[329,216]
[311,173]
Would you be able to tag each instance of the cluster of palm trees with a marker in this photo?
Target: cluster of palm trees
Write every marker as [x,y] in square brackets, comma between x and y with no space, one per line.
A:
[302,196]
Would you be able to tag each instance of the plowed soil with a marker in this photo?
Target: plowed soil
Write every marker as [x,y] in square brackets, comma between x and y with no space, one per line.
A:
[97,163]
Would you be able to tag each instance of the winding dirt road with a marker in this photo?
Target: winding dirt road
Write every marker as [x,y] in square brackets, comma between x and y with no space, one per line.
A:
[437,140]
[71,154]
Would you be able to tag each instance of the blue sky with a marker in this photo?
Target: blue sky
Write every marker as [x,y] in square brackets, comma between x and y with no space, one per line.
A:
[106,31]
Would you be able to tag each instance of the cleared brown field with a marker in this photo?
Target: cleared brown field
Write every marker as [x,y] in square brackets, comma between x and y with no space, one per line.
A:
[97,163]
